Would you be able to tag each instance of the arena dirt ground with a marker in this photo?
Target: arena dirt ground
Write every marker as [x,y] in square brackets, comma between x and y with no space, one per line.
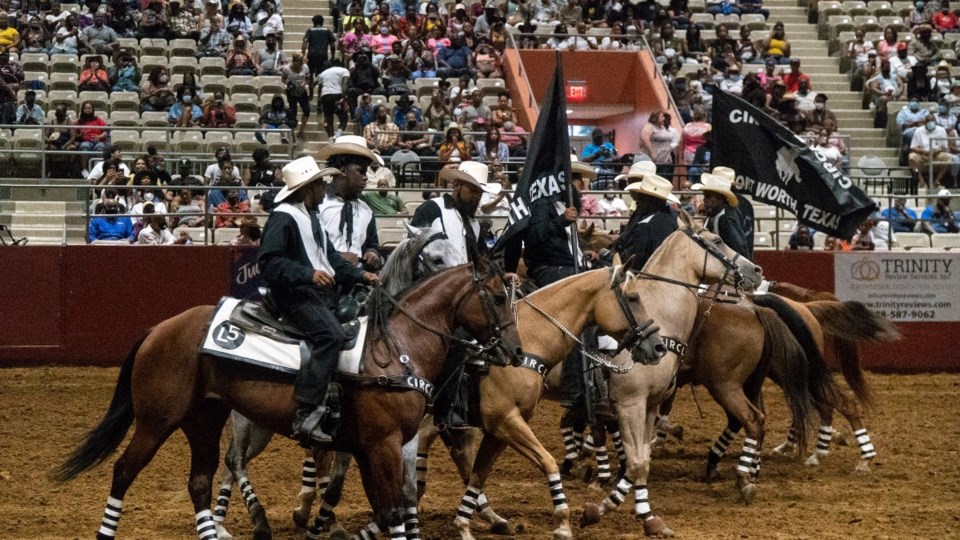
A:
[910,493]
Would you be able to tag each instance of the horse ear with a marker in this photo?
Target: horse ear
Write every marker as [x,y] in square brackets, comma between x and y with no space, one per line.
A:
[629,263]
[622,270]
[616,259]
[414,231]
[686,221]
[590,228]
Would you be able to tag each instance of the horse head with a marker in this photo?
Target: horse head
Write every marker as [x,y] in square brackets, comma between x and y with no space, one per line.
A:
[489,313]
[720,264]
[425,252]
[629,323]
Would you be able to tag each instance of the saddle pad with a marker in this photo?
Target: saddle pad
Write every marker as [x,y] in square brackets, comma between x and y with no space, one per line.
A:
[228,341]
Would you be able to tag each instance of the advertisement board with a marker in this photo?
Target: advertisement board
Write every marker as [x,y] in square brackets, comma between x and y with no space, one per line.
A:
[902,286]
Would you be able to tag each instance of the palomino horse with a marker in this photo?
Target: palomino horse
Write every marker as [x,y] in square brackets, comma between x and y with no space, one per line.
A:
[669,283]
[166,384]
[423,253]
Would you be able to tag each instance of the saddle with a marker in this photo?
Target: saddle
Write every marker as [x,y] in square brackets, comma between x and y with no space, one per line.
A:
[264,318]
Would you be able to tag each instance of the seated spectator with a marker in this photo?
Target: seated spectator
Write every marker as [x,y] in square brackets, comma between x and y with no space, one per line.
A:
[503,112]
[920,15]
[90,132]
[123,18]
[939,216]
[213,171]
[499,204]
[93,77]
[227,211]
[919,86]
[376,173]
[910,118]
[860,48]
[268,21]
[188,208]
[901,62]
[35,37]
[9,36]
[217,113]
[492,148]
[611,204]
[64,39]
[424,65]
[237,23]
[356,40]
[828,148]
[940,82]
[885,87]
[183,23]
[455,60]
[383,17]
[110,223]
[155,232]
[147,191]
[156,94]
[10,72]
[668,45]
[382,134]
[54,15]
[364,112]
[239,59]
[945,20]
[792,79]
[214,41]
[929,144]
[184,113]
[364,79]
[382,42]
[694,47]
[277,117]
[153,21]
[97,38]
[60,135]
[249,233]
[515,138]
[228,181]
[454,148]
[776,45]
[29,113]
[923,48]
[262,172]
[395,76]
[722,7]
[732,83]
[749,7]
[820,113]
[125,76]
[413,136]
[901,218]
[296,76]
[270,59]
[476,109]
[111,154]
[382,202]
[802,238]
[488,62]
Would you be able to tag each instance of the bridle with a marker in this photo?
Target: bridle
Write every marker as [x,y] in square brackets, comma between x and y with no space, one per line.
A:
[421,269]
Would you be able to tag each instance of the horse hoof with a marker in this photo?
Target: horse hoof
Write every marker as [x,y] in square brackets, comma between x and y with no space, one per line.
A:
[677,433]
[813,460]
[301,519]
[503,528]
[712,475]
[562,533]
[863,467]
[223,534]
[747,492]
[261,534]
[655,526]
[591,515]
[785,450]
[337,532]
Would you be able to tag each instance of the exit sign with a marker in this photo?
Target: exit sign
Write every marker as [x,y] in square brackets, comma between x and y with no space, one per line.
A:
[576,91]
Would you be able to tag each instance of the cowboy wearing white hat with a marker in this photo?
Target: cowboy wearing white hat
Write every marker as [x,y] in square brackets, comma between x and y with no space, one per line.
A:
[719,204]
[745,208]
[582,174]
[652,221]
[300,265]
[348,220]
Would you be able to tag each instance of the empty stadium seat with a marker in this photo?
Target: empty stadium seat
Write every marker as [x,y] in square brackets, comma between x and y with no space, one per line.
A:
[189,142]
[212,66]
[147,63]
[63,81]
[182,47]
[158,139]
[25,140]
[30,76]
[241,84]
[880,8]
[411,206]
[246,142]
[855,7]
[943,240]
[124,101]
[64,63]
[213,83]
[783,237]
[34,62]
[224,235]
[391,236]
[63,97]
[491,87]
[761,241]
[130,44]
[245,102]
[270,86]
[100,100]
[154,47]
[247,120]
[154,119]
[732,22]
[424,86]
[125,118]
[913,240]
[214,140]
[127,140]
[179,65]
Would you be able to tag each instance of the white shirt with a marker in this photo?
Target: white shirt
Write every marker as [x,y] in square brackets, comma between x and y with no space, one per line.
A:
[382,173]
[149,237]
[927,141]
[731,86]
[901,68]
[331,80]
[880,232]
[213,172]
[96,173]
[501,209]
[612,207]
[329,214]
[273,25]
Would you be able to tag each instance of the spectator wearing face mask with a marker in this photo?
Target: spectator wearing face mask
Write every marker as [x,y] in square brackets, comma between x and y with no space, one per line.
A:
[125,76]
[29,112]
[155,232]
[929,144]
[184,113]
[110,223]
[218,114]
[820,114]
[732,83]
[227,210]
[270,59]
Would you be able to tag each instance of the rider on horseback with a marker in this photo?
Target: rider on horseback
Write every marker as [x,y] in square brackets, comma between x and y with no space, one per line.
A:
[723,219]
[300,265]
[652,221]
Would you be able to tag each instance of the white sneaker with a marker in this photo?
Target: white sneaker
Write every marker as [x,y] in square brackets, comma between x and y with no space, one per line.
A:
[337,133]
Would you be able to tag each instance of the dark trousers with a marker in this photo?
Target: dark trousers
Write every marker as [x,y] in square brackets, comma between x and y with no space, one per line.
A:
[314,315]
[572,387]
[330,105]
[448,382]
[303,100]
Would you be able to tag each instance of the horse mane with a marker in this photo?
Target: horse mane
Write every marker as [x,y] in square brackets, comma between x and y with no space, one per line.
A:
[398,272]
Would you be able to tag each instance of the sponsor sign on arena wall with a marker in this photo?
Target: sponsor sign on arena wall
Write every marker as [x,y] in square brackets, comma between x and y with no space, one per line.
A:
[902,286]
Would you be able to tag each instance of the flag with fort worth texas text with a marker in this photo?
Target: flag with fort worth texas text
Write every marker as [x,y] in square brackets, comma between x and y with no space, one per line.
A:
[547,167]
[777,167]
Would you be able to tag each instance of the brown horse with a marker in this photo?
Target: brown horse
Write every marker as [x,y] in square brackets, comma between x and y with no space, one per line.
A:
[166,384]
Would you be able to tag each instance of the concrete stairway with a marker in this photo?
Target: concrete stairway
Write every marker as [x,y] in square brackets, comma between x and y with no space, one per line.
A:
[46,222]
[825,75]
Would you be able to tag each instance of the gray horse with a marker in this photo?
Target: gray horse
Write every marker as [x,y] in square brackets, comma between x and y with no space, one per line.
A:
[425,252]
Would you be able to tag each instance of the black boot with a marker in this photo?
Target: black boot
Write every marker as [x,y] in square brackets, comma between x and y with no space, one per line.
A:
[307,426]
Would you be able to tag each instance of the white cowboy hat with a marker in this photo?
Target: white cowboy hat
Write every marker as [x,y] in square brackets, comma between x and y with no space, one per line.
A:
[299,173]
[452,125]
[717,184]
[727,173]
[472,172]
[654,185]
[577,166]
[638,170]
[348,144]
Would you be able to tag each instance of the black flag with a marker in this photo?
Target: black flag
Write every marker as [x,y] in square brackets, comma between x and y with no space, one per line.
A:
[547,167]
[777,167]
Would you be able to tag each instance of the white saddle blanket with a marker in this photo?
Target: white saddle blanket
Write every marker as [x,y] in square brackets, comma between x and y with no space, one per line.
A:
[226,340]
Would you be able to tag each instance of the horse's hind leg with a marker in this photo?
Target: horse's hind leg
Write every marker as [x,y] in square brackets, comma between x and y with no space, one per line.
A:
[736,403]
[572,426]
[850,408]
[338,463]
[147,439]
[309,486]
[247,442]
[203,429]
[719,448]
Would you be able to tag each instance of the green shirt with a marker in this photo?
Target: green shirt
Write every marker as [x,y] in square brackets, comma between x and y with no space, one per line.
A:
[384,204]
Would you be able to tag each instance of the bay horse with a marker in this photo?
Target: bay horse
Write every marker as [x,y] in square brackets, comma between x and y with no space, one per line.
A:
[166,384]
[424,252]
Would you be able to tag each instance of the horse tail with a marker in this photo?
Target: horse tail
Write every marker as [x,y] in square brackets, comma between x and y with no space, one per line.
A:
[782,350]
[820,382]
[849,323]
[101,441]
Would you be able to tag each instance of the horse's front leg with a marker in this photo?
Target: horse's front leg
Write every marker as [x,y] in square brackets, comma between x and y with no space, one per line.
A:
[381,469]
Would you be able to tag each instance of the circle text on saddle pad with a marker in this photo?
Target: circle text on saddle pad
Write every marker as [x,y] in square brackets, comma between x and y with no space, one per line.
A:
[228,336]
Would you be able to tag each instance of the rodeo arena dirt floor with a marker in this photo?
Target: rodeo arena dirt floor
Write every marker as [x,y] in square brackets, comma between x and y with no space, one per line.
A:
[911,491]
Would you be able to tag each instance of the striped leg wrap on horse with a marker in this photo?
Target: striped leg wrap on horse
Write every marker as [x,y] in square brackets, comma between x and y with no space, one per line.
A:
[619,493]
[603,464]
[371,532]
[720,446]
[308,481]
[411,523]
[320,522]
[866,447]
[556,492]
[749,456]
[322,485]
[578,439]
[482,502]
[249,497]
[422,470]
[621,453]
[792,436]
[569,444]
[642,506]
[223,502]
[206,528]
[397,532]
[111,518]
[823,439]
[469,503]
[588,445]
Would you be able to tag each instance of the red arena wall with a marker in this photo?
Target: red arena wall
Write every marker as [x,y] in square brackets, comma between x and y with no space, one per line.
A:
[85,305]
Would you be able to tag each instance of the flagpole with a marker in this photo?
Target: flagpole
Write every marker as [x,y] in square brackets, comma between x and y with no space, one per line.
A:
[574,238]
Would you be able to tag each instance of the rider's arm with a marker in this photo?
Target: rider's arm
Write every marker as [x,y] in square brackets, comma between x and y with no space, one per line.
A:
[372,243]
[346,273]
[425,215]
[732,235]
[280,238]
